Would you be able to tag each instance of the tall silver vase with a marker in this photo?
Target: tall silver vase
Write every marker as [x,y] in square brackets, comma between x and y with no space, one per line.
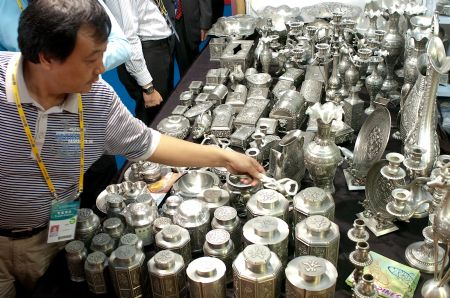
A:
[373,83]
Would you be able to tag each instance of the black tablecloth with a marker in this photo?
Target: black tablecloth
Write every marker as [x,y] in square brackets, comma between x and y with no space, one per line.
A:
[56,282]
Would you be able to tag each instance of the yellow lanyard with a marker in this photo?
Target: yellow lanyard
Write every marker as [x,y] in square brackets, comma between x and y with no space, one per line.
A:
[32,142]
[20,4]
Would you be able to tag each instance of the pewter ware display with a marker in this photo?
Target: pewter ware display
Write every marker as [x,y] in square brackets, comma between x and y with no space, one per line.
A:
[186,98]
[317,236]
[354,109]
[291,107]
[373,83]
[88,224]
[216,47]
[240,136]
[202,125]
[206,278]
[365,288]
[315,73]
[191,184]
[294,75]
[309,276]
[258,93]
[140,217]
[169,208]
[194,216]
[196,87]
[151,171]
[281,87]
[267,126]
[268,202]
[218,94]
[360,258]
[127,271]
[159,224]
[198,110]
[413,163]
[201,98]
[179,110]
[218,244]
[176,126]
[114,227]
[213,76]
[240,192]
[236,25]
[131,190]
[131,239]
[270,231]
[325,10]
[75,257]
[257,272]
[222,121]
[251,112]
[259,80]
[226,218]
[237,52]
[358,233]
[313,201]
[96,272]
[237,98]
[176,239]
[214,198]
[103,242]
[167,275]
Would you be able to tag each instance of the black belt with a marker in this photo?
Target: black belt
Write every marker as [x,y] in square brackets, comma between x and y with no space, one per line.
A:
[155,42]
[21,233]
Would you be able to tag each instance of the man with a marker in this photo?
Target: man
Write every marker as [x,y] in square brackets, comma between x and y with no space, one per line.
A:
[147,76]
[69,118]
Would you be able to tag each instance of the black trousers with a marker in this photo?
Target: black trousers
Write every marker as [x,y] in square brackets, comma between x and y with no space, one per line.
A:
[158,57]
[185,50]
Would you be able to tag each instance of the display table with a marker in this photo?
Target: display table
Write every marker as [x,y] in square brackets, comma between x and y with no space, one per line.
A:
[56,282]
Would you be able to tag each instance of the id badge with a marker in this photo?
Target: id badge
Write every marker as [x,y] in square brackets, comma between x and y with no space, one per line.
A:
[63,221]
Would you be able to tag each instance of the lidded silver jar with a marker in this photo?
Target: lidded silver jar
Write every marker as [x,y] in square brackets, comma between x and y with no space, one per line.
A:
[270,231]
[257,273]
[146,198]
[240,192]
[219,245]
[140,217]
[193,215]
[317,236]
[313,201]
[88,225]
[310,276]
[131,239]
[268,202]
[128,274]
[103,242]
[115,204]
[226,218]
[75,257]
[176,239]
[114,227]
[206,278]
[170,207]
[95,269]
[150,171]
[159,224]
[167,274]
[214,198]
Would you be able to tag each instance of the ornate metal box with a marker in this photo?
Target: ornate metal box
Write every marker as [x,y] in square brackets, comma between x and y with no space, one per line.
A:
[237,52]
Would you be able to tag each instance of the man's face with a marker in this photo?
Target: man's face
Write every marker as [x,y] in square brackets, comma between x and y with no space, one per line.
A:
[84,65]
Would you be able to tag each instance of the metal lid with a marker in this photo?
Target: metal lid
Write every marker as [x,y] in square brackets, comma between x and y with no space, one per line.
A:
[268,202]
[102,242]
[87,220]
[164,259]
[192,213]
[317,230]
[139,214]
[217,238]
[312,199]
[317,224]
[96,258]
[256,257]
[151,171]
[160,223]
[266,227]
[214,195]
[131,239]
[206,270]
[124,255]
[114,200]
[311,273]
[146,198]
[74,247]
[113,226]
[225,215]
[265,230]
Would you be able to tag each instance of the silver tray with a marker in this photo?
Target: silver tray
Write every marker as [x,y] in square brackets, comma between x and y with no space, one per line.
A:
[325,11]
[372,140]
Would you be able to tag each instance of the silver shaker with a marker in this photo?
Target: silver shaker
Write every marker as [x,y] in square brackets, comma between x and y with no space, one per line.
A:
[219,245]
[131,239]
[310,276]
[115,204]
[75,257]
[159,224]
[95,269]
[193,215]
[167,274]
[257,273]
[127,271]
[317,236]
[114,227]
[268,202]
[176,239]
[313,201]
[88,225]
[226,218]
[170,207]
[140,217]
[104,243]
[270,231]
[206,278]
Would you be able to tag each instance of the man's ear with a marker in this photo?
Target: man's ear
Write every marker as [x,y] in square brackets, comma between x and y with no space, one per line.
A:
[45,60]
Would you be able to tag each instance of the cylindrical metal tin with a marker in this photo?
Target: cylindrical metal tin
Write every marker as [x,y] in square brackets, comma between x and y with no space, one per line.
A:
[309,276]
[88,225]
[193,215]
[167,275]
[128,274]
[206,278]
[140,217]
[226,218]
[268,202]
[176,239]
[159,224]
[170,207]
[219,245]
[131,239]
[114,227]
[103,242]
[115,204]
[214,198]
[317,236]
[313,201]
[257,273]
[270,231]
[75,257]
[96,272]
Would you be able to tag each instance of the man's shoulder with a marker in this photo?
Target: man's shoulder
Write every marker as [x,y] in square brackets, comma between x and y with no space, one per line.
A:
[5,58]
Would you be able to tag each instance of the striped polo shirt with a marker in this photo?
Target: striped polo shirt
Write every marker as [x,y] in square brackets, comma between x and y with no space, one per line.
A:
[25,200]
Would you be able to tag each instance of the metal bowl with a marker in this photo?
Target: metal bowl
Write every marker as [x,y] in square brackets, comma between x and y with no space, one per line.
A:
[191,184]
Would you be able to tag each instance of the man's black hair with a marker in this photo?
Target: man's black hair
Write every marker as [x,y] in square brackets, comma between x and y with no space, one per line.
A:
[51,27]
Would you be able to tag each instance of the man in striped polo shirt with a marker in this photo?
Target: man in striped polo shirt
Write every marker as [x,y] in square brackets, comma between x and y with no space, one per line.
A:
[56,117]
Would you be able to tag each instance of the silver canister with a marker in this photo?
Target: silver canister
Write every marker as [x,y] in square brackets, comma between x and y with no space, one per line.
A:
[167,274]
[176,239]
[131,239]
[127,271]
[170,207]
[268,202]
[114,227]
[88,225]
[103,242]
[159,224]
[219,245]
[193,215]
[115,204]
[310,276]
[270,231]
[226,218]
[214,198]
[140,217]
[206,278]
[313,201]
[257,273]
[317,236]
[95,269]
[75,257]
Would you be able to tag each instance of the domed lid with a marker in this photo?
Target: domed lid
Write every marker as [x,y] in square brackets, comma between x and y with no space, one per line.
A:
[160,223]
[192,213]
[164,259]
[256,257]
[96,258]
[102,242]
[140,214]
[225,215]
[206,270]
[111,225]
[74,247]
[171,233]
[130,239]
[87,219]
[125,255]
[265,226]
